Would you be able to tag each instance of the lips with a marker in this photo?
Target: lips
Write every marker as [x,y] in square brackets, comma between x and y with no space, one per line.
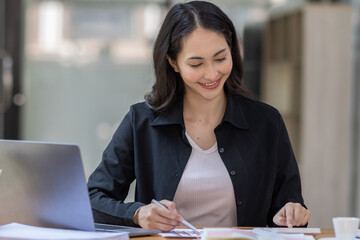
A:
[210,85]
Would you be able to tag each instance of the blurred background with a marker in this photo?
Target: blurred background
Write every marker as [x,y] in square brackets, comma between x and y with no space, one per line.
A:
[70,69]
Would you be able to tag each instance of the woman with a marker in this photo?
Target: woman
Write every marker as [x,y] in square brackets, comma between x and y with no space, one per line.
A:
[212,155]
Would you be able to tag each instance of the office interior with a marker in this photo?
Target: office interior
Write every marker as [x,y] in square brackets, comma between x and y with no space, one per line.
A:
[70,69]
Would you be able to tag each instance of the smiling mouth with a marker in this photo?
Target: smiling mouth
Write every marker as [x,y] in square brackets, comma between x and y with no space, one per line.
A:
[209,84]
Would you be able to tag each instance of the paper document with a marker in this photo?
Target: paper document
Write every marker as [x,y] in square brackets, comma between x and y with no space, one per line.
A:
[208,233]
[297,230]
[271,233]
[248,234]
[228,233]
[181,233]
[21,231]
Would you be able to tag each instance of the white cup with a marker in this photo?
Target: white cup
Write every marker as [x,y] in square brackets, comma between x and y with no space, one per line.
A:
[345,227]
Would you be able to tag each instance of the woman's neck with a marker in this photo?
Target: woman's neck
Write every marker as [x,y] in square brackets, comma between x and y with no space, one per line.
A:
[209,111]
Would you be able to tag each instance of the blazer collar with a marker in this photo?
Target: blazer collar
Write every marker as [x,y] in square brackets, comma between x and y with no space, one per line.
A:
[234,113]
[172,116]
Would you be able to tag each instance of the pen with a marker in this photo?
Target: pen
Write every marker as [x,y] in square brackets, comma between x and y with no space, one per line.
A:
[186,223]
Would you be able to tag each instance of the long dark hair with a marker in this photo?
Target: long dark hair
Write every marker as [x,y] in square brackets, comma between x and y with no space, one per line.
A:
[181,20]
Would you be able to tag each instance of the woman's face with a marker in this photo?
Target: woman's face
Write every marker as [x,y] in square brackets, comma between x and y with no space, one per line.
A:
[204,63]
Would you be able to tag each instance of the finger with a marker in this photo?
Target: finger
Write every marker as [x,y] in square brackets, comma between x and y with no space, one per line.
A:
[279,219]
[306,218]
[303,215]
[168,214]
[165,225]
[299,214]
[152,219]
[164,215]
[166,220]
[161,226]
[172,208]
[170,205]
[289,213]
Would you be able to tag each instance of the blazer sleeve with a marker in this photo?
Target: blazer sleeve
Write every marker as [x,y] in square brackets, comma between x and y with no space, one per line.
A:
[109,184]
[287,184]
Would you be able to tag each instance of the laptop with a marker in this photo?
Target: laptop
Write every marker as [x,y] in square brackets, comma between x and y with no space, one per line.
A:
[43,184]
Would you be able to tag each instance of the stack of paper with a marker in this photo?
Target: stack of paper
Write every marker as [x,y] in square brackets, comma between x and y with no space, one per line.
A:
[21,231]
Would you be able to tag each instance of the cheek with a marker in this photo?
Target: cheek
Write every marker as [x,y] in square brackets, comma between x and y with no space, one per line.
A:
[189,74]
[227,67]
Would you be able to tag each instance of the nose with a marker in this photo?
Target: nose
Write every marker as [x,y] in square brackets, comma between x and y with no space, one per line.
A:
[211,73]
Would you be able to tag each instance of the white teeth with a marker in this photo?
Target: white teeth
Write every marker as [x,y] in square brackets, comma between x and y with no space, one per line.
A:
[209,84]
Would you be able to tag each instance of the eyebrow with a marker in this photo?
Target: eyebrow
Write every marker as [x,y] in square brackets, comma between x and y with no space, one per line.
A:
[200,58]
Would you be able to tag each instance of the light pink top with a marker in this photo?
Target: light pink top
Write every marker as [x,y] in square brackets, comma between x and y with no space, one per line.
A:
[205,194]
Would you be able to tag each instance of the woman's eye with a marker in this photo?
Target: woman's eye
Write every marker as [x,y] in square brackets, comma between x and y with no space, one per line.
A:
[220,59]
[195,65]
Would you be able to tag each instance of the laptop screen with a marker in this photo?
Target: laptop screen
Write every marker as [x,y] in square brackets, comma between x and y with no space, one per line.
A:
[43,184]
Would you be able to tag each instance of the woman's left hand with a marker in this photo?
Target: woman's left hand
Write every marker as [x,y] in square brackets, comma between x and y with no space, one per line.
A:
[292,214]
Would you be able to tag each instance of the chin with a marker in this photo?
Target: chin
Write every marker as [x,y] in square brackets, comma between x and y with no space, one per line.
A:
[214,95]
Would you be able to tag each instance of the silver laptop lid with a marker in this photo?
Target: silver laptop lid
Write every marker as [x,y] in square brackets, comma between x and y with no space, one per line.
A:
[43,184]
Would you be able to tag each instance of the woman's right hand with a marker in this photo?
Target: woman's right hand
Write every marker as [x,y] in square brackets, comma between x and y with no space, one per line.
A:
[152,216]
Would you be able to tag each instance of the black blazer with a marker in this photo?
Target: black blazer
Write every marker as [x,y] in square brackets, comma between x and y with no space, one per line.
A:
[153,149]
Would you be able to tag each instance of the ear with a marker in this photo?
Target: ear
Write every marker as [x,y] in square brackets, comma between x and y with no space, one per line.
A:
[172,63]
